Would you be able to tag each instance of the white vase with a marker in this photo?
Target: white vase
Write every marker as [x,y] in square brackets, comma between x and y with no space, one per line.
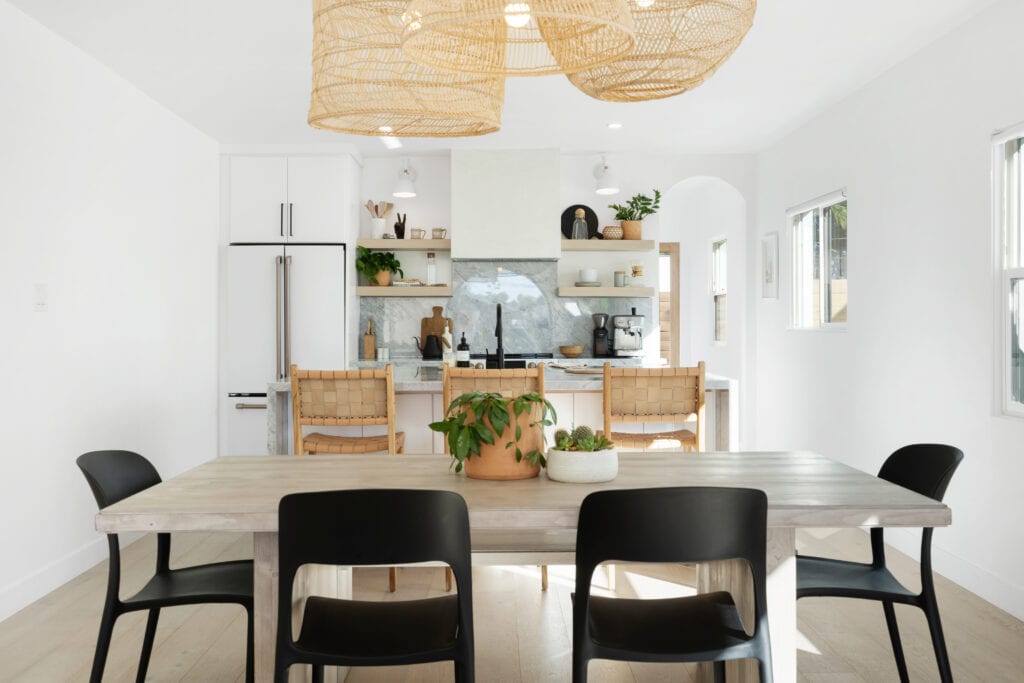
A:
[582,467]
[377,227]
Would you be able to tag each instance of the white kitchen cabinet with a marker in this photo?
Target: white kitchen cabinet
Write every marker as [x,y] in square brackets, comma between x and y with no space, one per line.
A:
[413,415]
[292,199]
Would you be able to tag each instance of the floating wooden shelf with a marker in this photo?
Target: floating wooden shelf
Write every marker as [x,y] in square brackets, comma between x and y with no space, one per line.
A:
[635,292]
[406,245]
[431,290]
[607,245]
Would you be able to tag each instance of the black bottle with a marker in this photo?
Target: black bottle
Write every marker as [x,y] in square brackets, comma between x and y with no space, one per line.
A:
[462,353]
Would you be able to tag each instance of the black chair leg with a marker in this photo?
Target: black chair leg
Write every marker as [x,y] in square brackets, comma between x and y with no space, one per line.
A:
[764,670]
[99,660]
[931,612]
[579,668]
[147,645]
[281,673]
[318,673]
[250,663]
[464,672]
[894,638]
[720,672]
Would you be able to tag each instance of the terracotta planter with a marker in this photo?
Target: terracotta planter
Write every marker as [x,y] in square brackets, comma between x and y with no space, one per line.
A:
[383,278]
[499,463]
[631,230]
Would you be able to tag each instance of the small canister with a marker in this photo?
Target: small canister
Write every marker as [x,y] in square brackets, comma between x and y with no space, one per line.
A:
[620,278]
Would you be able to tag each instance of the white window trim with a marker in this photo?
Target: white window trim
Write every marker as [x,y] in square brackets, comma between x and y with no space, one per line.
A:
[720,239]
[1003,274]
[818,202]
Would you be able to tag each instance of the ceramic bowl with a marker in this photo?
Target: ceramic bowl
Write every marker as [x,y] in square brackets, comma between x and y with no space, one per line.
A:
[580,468]
[571,350]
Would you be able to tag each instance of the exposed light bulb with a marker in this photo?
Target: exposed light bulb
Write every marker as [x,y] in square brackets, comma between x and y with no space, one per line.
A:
[385,129]
[517,14]
[643,4]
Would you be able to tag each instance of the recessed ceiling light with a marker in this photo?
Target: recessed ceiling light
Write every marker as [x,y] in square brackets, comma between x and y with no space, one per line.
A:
[385,129]
[614,125]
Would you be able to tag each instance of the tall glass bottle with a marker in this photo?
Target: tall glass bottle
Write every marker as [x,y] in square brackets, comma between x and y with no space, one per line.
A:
[579,226]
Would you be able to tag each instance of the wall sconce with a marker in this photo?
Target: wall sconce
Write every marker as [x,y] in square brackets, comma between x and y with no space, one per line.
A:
[406,186]
[606,183]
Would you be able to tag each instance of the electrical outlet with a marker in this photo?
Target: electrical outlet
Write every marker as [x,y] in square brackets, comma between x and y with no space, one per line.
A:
[41,299]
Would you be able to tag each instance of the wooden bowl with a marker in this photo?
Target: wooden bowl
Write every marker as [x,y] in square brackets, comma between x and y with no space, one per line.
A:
[571,350]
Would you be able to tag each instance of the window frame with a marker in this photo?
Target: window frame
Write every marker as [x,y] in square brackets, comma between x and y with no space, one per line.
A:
[718,285]
[1008,260]
[818,204]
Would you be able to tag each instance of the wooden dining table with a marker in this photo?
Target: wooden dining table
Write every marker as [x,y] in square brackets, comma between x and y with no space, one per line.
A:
[527,521]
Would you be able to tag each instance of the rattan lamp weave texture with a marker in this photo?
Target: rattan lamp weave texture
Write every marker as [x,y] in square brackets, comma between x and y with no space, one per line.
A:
[679,44]
[559,36]
[362,83]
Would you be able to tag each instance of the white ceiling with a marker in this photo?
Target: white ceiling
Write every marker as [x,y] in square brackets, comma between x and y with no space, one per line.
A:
[239,70]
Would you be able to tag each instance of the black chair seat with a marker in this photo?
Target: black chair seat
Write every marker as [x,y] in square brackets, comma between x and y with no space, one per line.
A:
[821,576]
[353,628]
[699,624]
[208,583]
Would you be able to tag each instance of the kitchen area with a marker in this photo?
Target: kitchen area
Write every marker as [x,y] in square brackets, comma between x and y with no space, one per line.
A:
[467,256]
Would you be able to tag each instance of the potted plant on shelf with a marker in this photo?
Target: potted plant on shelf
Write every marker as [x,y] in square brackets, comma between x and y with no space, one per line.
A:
[497,437]
[377,266]
[580,456]
[633,212]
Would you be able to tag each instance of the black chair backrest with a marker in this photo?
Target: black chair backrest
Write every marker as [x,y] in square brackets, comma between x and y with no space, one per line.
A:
[924,468]
[115,475]
[372,526]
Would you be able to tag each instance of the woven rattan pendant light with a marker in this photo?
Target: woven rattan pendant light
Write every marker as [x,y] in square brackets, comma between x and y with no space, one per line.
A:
[517,38]
[363,84]
[679,44]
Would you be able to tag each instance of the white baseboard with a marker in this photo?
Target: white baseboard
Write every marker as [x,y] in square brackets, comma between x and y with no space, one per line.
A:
[22,593]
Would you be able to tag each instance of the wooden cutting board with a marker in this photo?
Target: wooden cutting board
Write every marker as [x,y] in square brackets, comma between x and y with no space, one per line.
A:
[435,325]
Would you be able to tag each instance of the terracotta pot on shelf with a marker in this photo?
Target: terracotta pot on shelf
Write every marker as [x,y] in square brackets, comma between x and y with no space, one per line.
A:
[632,230]
[496,462]
[383,278]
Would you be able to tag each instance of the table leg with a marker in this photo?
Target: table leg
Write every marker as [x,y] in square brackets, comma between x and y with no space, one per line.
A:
[324,580]
[734,576]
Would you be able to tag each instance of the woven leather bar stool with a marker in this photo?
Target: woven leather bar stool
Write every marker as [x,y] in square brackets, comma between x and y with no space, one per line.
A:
[639,395]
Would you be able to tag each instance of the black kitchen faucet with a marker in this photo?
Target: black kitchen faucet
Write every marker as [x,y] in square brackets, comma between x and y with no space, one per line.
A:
[500,353]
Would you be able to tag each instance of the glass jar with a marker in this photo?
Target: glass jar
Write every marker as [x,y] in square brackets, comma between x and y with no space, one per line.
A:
[431,269]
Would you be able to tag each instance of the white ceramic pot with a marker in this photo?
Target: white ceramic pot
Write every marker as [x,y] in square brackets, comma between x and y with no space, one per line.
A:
[581,467]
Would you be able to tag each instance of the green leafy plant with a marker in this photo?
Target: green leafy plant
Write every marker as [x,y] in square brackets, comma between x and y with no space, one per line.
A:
[637,208]
[369,263]
[467,430]
[582,438]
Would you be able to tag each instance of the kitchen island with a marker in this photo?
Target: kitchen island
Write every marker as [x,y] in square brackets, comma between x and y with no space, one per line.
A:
[576,397]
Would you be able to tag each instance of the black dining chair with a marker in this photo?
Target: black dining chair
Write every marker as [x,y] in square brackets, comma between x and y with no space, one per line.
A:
[923,468]
[113,476]
[375,527]
[677,524]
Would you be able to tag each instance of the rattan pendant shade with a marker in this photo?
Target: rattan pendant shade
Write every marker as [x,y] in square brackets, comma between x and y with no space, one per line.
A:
[559,36]
[363,84]
[679,44]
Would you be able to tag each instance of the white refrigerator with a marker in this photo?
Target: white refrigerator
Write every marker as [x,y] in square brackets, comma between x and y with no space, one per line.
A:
[285,304]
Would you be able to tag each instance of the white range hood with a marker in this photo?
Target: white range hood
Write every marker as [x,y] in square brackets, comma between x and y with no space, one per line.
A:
[506,204]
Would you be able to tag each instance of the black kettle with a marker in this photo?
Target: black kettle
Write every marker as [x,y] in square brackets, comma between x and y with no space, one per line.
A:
[430,348]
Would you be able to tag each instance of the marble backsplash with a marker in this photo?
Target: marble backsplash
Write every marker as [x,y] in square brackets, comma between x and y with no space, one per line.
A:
[534,317]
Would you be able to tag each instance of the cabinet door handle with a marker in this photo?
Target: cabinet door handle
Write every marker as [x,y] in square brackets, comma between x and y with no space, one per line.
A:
[290,226]
[281,219]
[250,406]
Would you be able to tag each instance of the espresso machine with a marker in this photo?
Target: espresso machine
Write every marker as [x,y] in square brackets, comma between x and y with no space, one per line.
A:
[601,349]
[627,335]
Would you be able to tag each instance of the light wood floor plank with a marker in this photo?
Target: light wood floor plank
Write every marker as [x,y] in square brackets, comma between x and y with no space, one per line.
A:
[523,634]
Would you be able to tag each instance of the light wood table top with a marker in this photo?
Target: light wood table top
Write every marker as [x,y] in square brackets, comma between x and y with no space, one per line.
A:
[242,493]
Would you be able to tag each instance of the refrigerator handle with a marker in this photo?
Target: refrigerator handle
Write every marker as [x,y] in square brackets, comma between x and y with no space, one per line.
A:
[281,220]
[290,226]
[278,278]
[287,315]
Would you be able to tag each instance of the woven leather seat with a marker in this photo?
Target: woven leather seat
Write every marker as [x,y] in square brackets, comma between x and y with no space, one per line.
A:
[646,395]
[329,443]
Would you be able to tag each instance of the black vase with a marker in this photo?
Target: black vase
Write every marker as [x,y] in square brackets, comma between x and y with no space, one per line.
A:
[399,231]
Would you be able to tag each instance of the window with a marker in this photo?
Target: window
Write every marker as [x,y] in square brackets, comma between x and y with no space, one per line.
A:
[718,284]
[819,262]
[1010,189]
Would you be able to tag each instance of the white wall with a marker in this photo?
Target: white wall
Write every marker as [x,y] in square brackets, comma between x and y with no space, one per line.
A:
[109,201]
[916,363]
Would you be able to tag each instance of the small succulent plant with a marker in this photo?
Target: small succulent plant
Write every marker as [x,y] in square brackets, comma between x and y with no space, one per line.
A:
[581,438]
